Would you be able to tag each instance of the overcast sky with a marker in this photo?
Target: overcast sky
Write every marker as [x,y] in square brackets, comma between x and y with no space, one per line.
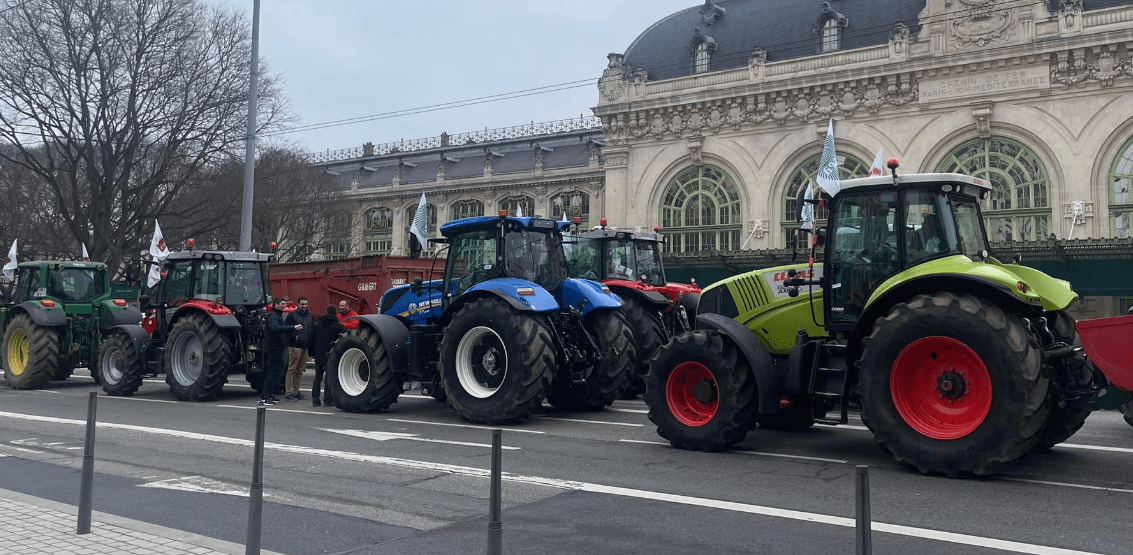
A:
[353,58]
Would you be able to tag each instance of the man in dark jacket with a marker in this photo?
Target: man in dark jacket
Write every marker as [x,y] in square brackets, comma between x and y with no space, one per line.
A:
[325,330]
[297,349]
[279,335]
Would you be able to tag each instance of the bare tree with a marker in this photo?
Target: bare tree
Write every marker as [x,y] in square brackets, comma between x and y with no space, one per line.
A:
[123,108]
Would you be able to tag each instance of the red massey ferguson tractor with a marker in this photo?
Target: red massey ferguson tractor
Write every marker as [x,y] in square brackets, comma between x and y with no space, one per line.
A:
[629,263]
[207,321]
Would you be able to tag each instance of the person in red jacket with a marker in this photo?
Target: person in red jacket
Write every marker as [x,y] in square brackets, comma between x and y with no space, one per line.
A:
[346,315]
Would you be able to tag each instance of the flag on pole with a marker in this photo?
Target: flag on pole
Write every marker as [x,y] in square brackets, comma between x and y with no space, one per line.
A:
[86,257]
[564,217]
[420,226]
[875,169]
[807,210]
[10,264]
[159,252]
[827,177]
[518,211]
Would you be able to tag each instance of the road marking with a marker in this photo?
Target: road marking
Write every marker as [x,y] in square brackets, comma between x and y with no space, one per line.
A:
[198,484]
[588,421]
[1066,485]
[451,425]
[911,531]
[635,411]
[386,436]
[138,399]
[274,409]
[1095,447]
[746,452]
[843,426]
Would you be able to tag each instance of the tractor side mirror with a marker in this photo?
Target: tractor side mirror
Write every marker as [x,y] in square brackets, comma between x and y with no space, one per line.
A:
[415,287]
[144,302]
[820,234]
[132,272]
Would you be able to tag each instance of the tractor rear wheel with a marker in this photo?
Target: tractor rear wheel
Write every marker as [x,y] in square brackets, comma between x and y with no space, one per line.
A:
[700,392]
[496,364]
[119,365]
[953,385]
[198,357]
[359,375]
[648,336]
[1075,377]
[31,353]
[606,380]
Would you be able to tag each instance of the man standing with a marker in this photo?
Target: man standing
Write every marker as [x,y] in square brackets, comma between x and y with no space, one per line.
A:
[345,312]
[297,350]
[275,349]
[326,329]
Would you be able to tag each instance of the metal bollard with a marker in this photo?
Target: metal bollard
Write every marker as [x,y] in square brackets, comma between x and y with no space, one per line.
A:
[256,494]
[864,539]
[86,487]
[495,527]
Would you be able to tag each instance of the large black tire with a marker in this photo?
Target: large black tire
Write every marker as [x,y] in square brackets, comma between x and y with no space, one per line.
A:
[953,385]
[606,380]
[701,392]
[198,357]
[648,336]
[482,334]
[1127,412]
[119,365]
[31,353]
[358,373]
[1067,415]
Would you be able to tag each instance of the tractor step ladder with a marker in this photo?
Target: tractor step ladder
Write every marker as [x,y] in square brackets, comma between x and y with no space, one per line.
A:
[830,380]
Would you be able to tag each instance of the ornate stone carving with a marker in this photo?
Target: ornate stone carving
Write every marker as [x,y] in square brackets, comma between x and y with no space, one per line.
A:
[982,25]
[695,148]
[756,62]
[1076,69]
[758,228]
[612,84]
[982,113]
[709,12]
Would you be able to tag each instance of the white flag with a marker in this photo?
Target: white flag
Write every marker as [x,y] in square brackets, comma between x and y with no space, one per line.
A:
[86,256]
[420,226]
[564,217]
[808,208]
[518,211]
[159,252]
[875,169]
[10,264]
[827,177]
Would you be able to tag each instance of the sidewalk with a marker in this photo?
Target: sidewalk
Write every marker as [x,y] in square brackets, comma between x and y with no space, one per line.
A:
[34,526]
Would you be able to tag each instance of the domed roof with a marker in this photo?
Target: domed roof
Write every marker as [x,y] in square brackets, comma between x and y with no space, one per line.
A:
[784,28]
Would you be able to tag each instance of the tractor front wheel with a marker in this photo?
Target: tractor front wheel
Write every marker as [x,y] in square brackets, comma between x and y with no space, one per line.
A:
[1075,377]
[606,380]
[700,392]
[359,374]
[953,385]
[198,357]
[31,353]
[496,364]
[119,365]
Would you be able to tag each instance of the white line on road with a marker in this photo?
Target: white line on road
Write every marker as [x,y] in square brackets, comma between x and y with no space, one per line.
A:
[138,399]
[746,452]
[1095,447]
[843,427]
[386,436]
[451,425]
[911,531]
[1066,485]
[273,409]
[635,411]
[665,443]
[588,421]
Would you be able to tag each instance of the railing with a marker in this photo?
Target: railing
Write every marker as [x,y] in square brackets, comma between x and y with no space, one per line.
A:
[581,123]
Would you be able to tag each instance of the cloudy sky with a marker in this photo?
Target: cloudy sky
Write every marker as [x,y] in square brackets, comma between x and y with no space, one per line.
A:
[354,58]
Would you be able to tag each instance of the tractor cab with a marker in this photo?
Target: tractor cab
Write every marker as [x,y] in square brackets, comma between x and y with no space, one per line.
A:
[605,254]
[223,277]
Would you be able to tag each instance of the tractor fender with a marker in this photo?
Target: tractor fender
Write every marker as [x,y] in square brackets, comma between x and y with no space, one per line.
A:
[470,296]
[586,295]
[224,321]
[116,316]
[134,331]
[41,315]
[394,335]
[647,298]
[534,296]
[759,360]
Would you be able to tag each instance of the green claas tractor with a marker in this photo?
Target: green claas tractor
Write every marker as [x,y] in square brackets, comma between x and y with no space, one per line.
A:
[57,316]
[960,363]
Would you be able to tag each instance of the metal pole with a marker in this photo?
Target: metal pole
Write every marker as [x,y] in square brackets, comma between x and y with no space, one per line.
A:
[86,487]
[864,539]
[256,494]
[495,527]
[250,153]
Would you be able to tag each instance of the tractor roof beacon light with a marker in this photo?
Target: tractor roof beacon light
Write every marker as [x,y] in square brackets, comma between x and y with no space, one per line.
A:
[274,246]
[602,223]
[503,213]
[893,164]
[192,243]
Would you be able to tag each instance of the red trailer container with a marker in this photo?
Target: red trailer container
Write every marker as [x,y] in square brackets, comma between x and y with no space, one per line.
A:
[361,280]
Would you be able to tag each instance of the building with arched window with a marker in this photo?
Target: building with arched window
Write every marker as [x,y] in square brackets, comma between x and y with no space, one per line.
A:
[712,120]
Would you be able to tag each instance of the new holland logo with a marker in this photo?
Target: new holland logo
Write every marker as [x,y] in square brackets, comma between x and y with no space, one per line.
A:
[414,307]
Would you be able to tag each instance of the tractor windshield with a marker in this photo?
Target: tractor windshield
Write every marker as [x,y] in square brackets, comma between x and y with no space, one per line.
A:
[939,224]
[584,257]
[534,255]
[973,239]
[78,285]
[634,260]
[247,283]
[648,256]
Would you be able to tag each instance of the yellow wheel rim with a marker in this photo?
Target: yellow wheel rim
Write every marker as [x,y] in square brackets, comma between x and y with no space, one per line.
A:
[18,352]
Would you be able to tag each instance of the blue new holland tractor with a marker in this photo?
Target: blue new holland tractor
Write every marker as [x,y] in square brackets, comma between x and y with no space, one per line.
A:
[505,328]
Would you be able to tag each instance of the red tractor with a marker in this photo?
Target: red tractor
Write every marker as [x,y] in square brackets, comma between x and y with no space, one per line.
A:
[206,321]
[629,263]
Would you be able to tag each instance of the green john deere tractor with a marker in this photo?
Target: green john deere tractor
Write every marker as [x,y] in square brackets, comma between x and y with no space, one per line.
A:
[960,363]
[56,318]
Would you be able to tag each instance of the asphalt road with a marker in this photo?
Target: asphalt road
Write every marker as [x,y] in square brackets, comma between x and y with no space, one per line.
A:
[414,480]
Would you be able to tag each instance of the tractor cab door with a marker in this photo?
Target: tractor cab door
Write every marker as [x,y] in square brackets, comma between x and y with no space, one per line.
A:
[861,251]
[471,259]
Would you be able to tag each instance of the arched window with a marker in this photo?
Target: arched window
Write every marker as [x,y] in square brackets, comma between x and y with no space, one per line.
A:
[702,57]
[700,211]
[1018,208]
[430,214]
[849,167]
[1120,202]
[571,204]
[830,34]
[513,204]
[378,233]
[466,209]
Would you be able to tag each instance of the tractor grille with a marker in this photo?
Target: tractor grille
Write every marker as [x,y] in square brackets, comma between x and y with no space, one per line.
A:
[750,296]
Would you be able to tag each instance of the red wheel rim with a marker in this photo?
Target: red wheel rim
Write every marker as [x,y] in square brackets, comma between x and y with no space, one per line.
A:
[940,387]
[681,393]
